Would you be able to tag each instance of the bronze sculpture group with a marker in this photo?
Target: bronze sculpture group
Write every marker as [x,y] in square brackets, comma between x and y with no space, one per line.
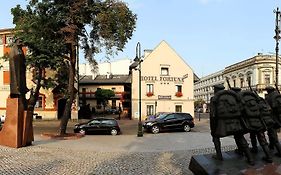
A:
[234,113]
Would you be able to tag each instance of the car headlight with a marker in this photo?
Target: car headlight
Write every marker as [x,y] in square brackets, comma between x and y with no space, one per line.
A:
[149,123]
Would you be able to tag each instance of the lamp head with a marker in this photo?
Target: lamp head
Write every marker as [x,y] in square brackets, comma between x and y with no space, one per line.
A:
[137,59]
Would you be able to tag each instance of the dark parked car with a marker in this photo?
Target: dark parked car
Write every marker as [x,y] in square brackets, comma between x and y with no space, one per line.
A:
[170,121]
[153,117]
[98,126]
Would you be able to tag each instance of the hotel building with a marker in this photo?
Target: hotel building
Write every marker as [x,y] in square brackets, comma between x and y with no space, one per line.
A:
[166,83]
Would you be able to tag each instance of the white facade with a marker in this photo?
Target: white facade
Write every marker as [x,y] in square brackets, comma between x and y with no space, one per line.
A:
[166,83]
[117,67]
[259,70]
[203,89]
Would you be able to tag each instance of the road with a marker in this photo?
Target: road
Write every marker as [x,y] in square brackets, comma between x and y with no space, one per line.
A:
[128,127]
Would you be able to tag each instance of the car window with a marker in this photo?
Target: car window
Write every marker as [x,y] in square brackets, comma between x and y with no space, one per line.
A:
[180,116]
[161,115]
[94,122]
[186,115]
[170,117]
[108,122]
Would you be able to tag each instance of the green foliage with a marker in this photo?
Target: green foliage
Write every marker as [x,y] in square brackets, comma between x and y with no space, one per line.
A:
[38,28]
[199,103]
[104,95]
[110,24]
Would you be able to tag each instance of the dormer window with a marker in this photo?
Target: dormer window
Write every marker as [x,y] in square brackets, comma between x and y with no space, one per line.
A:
[164,71]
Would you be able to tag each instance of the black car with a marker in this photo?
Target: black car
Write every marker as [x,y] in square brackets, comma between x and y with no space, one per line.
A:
[170,121]
[98,126]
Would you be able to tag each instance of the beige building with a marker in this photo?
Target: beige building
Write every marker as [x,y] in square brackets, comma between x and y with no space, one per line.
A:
[166,83]
[259,70]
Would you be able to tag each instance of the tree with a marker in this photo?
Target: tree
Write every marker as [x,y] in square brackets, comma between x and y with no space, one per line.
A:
[199,103]
[111,24]
[38,28]
[103,95]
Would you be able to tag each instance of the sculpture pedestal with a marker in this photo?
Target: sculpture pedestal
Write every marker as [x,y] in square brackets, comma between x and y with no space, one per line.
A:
[234,164]
[17,130]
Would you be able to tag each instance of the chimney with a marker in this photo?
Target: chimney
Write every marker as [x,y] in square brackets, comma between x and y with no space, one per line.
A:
[147,52]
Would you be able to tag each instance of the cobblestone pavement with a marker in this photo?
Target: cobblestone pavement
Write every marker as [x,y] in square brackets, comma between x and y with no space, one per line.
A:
[42,159]
[160,154]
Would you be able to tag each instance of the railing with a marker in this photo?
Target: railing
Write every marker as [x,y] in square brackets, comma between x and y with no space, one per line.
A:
[92,94]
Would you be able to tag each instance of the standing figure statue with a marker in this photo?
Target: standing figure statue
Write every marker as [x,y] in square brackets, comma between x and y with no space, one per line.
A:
[273,98]
[256,126]
[213,124]
[225,120]
[17,68]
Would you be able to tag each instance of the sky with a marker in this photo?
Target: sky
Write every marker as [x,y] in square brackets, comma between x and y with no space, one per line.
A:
[208,34]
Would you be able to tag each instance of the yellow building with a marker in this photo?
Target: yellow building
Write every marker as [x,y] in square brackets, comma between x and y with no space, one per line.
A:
[166,83]
[49,103]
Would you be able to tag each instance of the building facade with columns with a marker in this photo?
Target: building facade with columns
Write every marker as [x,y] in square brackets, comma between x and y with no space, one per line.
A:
[258,72]
[166,83]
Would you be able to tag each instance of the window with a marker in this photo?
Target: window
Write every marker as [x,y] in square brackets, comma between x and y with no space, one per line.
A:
[178,108]
[95,122]
[149,110]
[113,106]
[164,71]
[9,39]
[113,89]
[108,122]
[267,79]
[40,102]
[234,83]
[178,91]
[241,82]
[170,117]
[1,40]
[6,77]
[249,79]
[178,88]
[149,88]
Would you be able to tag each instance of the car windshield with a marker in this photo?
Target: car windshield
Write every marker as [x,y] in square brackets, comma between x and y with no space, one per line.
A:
[161,115]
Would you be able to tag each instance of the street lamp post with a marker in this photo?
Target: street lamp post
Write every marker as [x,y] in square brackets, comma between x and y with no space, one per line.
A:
[277,38]
[139,60]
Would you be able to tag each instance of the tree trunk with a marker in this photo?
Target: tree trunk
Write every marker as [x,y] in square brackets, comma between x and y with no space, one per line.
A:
[30,109]
[70,92]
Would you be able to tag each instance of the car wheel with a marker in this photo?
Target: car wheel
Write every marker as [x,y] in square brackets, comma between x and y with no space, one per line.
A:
[186,128]
[155,129]
[114,132]
[82,131]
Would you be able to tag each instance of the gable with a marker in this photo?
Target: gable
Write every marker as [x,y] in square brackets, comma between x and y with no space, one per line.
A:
[165,56]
